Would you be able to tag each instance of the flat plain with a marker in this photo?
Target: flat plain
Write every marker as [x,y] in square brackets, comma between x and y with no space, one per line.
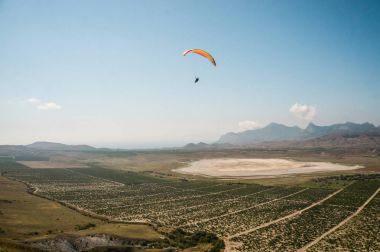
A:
[239,167]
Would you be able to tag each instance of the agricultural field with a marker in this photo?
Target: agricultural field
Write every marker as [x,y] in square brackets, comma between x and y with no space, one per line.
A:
[25,217]
[327,213]
[296,231]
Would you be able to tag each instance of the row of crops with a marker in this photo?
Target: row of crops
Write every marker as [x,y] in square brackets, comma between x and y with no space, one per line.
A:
[296,232]
[224,208]
[361,234]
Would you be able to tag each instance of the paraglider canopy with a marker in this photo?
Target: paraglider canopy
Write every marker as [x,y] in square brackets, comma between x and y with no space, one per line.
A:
[202,53]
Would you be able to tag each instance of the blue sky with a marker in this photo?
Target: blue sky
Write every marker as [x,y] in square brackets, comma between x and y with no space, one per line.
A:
[111,73]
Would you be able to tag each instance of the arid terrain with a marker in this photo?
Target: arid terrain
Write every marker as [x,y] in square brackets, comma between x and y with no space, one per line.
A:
[136,200]
[259,167]
[190,126]
[49,164]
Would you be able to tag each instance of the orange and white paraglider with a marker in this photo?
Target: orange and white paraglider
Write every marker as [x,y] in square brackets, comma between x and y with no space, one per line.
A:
[202,53]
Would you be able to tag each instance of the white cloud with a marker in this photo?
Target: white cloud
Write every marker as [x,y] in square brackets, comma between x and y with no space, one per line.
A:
[34,101]
[304,112]
[49,106]
[43,105]
[248,125]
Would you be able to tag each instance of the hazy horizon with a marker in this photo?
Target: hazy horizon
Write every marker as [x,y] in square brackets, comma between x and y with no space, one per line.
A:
[112,74]
[154,145]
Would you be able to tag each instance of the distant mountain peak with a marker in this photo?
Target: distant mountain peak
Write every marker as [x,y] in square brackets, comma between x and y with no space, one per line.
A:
[271,132]
[280,132]
[275,125]
[44,145]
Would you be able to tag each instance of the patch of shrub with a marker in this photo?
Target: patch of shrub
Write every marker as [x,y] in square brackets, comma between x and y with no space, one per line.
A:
[5,201]
[85,226]
[182,239]
[112,249]
[355,177]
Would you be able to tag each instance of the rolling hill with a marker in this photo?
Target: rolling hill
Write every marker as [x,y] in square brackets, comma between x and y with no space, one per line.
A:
[59,147]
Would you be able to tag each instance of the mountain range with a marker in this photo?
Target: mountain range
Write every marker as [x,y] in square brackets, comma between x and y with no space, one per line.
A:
[59,146]
[276,135]
[279,132]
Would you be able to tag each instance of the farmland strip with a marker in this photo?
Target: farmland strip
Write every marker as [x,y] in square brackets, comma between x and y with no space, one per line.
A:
[91,176]
[340,224]
[244,209]
[287,216]
[181,198]
[220,201]
[212,203]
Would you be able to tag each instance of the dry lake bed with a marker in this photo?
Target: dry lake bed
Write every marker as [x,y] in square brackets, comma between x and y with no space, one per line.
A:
[233,167]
